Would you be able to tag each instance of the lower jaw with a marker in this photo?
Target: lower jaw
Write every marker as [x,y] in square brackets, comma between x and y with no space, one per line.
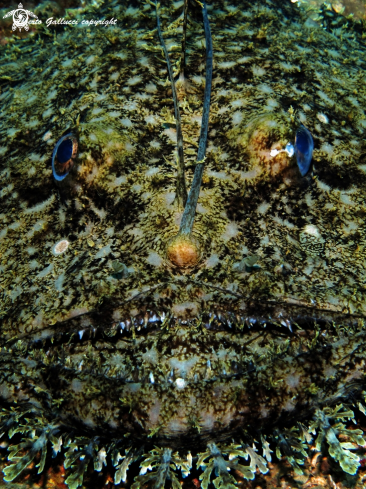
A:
[274,382]
[279,379]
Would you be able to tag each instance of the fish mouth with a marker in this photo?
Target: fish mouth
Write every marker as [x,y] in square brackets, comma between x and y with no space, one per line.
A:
[208,304]
[181,380]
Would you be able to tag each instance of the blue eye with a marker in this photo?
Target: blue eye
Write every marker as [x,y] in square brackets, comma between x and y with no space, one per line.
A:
[304,146]
[63,155]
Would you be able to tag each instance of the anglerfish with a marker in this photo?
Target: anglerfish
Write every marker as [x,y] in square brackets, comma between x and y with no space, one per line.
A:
[183,242]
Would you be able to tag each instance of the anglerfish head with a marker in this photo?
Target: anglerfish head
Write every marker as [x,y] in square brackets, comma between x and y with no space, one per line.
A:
[118,325]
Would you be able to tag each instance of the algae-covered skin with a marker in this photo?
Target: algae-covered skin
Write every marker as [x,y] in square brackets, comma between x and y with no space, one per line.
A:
[108,344]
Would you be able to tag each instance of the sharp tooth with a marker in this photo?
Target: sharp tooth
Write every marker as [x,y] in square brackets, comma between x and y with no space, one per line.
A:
[122,326]
[208,364]
[80,366]
[171,373]
[223,371]
[151,378]
[81,332]
[287,324]
[234,366]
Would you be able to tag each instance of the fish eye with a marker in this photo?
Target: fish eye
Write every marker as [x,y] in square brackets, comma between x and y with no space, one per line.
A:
[304,146]
[63,156]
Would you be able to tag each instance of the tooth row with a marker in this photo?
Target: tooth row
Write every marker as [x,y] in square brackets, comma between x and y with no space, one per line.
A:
[229,320]
[212,321]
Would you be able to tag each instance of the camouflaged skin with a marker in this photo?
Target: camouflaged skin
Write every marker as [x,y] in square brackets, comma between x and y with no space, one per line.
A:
[109,334]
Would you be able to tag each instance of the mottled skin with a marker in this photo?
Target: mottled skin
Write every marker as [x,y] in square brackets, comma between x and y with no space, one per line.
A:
[246,380]
[161,353]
